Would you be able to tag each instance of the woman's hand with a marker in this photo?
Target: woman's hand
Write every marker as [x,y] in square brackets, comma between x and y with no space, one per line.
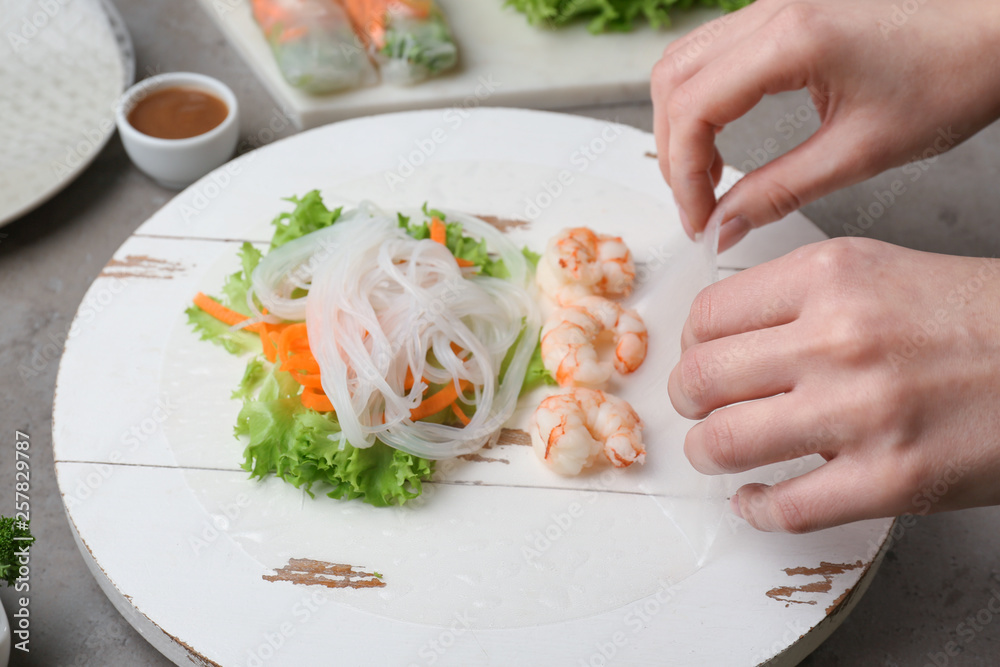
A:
[888,85]
[885,361]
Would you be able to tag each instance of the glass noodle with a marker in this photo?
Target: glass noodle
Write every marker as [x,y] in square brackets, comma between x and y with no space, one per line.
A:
[382,305]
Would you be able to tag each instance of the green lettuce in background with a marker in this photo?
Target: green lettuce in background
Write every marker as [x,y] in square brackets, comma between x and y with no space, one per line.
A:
[612,15]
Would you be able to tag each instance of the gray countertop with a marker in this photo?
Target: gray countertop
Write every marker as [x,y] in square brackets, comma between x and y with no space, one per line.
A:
[942,571]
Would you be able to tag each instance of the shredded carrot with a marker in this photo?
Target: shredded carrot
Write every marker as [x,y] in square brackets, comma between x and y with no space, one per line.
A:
[269,334]
[293,335]
[284,344]
[217,310]
[435,403]
[420,8]
[315,399]
[439,232]
[460,413]
[296,357]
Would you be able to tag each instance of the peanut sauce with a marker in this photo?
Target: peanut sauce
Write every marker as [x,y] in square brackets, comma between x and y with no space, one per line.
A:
[177,113]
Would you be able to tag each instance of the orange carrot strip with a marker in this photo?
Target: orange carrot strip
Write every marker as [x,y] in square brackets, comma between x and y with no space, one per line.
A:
[435,403]
[301,363]
[307,380]
[439,232]
[287,337]
[217,310]
[316,400]
[464,418]
[268,334]
[421,9]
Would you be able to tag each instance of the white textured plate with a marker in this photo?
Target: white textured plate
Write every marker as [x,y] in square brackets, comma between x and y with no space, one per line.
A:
[501,562]
[63,65]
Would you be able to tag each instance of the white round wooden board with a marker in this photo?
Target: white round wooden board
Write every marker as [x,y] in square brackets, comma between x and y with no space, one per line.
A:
[500,562]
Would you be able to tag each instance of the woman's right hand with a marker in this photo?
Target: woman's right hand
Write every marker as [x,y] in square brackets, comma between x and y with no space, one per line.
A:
[892,82]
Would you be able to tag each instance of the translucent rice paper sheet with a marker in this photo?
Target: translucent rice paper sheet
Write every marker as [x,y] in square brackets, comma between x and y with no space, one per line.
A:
[680,511]
[497,537]
[694,503]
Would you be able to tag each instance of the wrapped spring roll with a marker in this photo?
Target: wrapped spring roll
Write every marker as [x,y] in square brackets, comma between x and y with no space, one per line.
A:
[314,44]
[409,39]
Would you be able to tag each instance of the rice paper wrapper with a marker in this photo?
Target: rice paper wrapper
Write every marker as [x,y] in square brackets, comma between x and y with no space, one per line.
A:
[314,45]
[414,46]
[497,537]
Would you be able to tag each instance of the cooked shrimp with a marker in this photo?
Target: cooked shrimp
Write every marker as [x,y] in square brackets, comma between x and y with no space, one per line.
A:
[577,263]
[570,334]
[570,429]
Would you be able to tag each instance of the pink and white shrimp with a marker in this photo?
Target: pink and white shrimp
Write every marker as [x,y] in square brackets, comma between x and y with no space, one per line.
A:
[571,429]
[578,262]
[571,333]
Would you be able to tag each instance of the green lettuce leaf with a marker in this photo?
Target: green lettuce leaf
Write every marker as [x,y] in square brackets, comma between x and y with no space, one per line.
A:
[532,257]
[460,245]
[426,46]
[293,442]
[537,374]
[211,329]
[235,298]
[237,284]
[611,15]
[253,376]
[310,215]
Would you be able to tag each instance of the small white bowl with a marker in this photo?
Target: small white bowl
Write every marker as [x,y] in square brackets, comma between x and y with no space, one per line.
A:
[176,163]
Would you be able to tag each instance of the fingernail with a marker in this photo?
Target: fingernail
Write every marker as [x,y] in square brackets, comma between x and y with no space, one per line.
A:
[734,505]
[684,220]
[732,231]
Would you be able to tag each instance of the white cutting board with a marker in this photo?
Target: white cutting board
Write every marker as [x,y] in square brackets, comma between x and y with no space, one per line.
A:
[189,549]
[503,62]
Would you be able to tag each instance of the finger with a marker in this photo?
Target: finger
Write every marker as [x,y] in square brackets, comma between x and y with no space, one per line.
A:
[722,91]
[833,158]
[749,435]
[836,493]
[736,368]
[705,43]
[661,125]
[690,155]
[755,298]
[732,232]
[688,54]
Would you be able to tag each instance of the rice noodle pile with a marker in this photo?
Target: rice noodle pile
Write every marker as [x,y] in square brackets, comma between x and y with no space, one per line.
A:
[378,301]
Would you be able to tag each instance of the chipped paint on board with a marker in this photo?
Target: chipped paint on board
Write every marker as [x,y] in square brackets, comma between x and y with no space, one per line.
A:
[141,266]
[309,572]
[508,436]
[479,458]
[503,224]
[514,436]
[826,572]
